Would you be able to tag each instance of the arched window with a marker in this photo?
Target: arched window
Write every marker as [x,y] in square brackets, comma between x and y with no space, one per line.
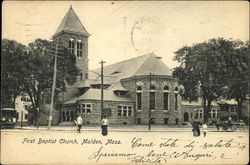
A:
[138,97]
[79,49]
[166,98]
[81,78]
[71,46]
[152,97]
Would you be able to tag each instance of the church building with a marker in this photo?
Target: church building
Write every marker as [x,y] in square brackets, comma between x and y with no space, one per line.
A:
[135,90]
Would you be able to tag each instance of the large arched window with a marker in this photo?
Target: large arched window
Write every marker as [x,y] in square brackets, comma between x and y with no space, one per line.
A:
[166,98]
[152,97]
[79,49]
[138,97]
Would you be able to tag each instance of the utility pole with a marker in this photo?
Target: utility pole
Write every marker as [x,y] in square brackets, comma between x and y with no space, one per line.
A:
[149,106]
[53,91]
[102,62]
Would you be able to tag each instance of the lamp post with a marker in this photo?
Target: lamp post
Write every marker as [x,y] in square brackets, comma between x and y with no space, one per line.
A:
[53,91]
[149,107]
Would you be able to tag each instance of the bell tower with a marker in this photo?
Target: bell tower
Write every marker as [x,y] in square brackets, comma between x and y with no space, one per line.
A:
[73,35]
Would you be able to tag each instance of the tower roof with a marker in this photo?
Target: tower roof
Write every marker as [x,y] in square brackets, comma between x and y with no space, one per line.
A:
[72,24]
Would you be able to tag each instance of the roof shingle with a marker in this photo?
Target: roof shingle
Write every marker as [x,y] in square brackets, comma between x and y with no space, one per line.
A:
[71,23]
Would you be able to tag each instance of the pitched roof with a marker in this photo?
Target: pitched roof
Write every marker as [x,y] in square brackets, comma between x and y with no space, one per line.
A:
[95,94]
[71,23]
[141,65]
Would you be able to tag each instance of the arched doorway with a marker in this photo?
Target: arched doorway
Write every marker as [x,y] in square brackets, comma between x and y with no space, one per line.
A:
[186,117]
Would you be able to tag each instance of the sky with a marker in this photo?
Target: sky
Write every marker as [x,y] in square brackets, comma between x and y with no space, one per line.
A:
[121,30]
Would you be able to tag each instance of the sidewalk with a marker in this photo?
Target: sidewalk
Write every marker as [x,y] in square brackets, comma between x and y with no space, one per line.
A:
[123,128]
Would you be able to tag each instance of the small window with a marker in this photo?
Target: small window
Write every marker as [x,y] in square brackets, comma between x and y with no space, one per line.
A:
[115,72]
[125,111]
[176,89]
[81,76]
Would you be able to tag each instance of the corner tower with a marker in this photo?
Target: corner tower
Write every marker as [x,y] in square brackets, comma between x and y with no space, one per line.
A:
[73,35]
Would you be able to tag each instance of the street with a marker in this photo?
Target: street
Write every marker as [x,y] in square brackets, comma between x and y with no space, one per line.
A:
[123,145]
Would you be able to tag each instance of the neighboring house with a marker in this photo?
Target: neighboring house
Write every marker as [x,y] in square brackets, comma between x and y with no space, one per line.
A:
[194,110]
[22,104]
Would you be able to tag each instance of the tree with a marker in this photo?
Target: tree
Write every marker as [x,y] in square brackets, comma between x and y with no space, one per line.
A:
[238,75]
[39,70]
[13,55]
[205,66]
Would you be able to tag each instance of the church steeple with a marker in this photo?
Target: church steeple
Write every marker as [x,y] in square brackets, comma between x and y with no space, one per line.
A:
[71,24]
[72,35]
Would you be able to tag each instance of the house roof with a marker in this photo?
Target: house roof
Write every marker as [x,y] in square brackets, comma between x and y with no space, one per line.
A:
[142,65]
[71,23]
[95,94]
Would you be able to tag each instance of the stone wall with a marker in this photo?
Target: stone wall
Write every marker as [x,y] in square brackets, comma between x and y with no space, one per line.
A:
[161,116]
[95,116]
[81,63]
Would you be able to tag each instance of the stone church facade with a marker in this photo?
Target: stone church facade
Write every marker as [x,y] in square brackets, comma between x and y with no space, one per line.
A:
[134,90]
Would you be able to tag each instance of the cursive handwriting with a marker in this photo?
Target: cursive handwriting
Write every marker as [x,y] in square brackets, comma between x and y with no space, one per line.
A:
[225,144]
[169,143]
[99,154]
[137,142]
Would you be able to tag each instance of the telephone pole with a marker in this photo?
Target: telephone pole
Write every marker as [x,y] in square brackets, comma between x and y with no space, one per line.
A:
[53,91]
[102,62]
[149,107]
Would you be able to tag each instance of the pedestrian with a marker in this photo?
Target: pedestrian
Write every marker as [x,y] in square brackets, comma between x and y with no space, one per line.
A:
[79,122]
[196,129]
[204,129]
[104,126]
